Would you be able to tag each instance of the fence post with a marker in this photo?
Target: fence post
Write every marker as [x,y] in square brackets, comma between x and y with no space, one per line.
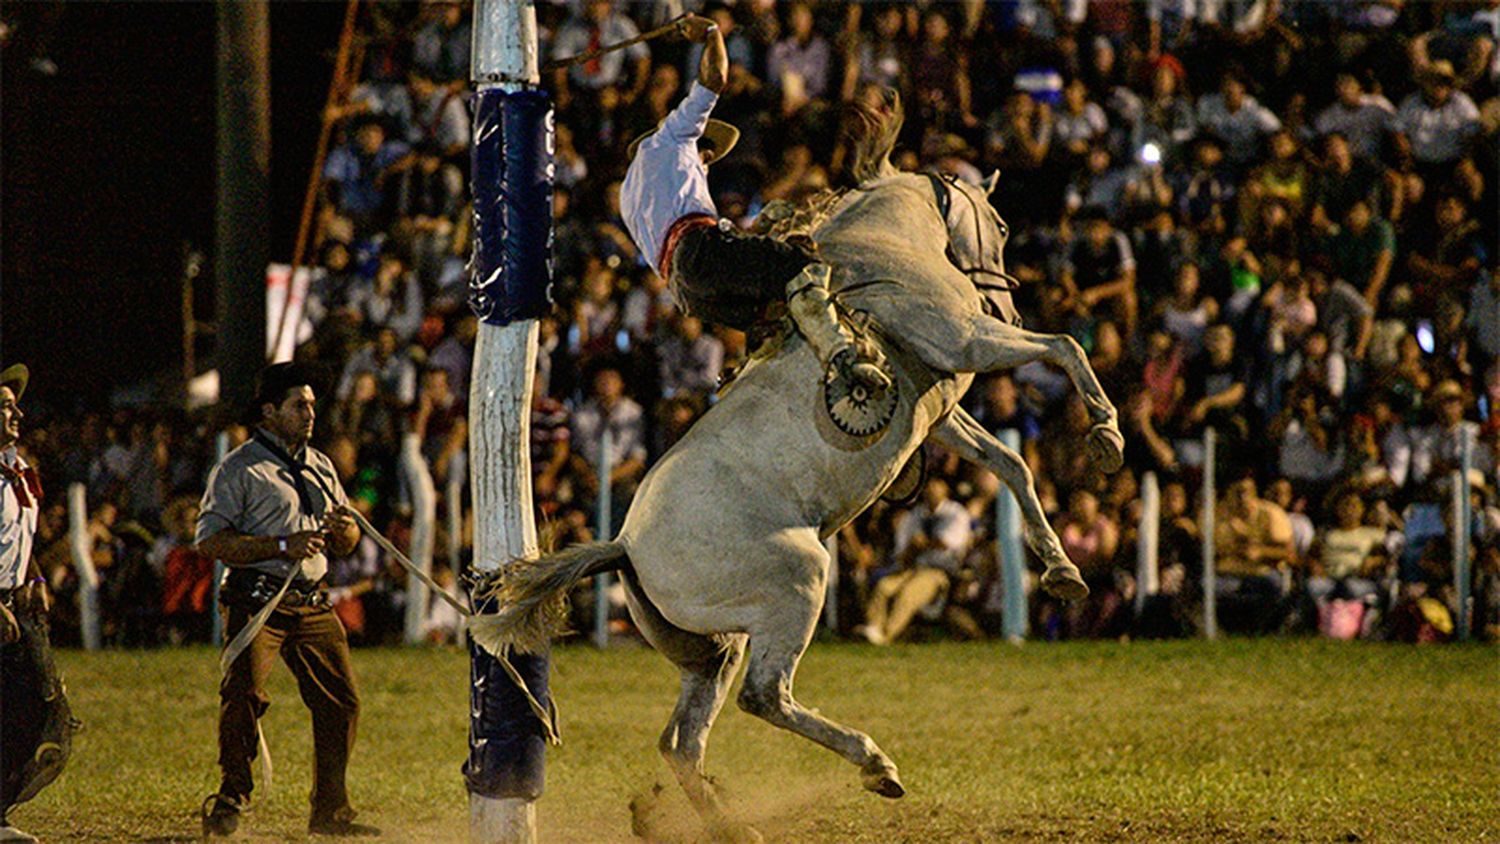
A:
[606,530]
[831,593]
[1147,581]
[1206,527]
[221,448]
[1463,522]
[1012,553]
[83,562]
[423,526]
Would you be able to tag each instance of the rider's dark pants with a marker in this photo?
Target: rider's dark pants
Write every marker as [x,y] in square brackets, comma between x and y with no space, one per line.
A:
[728,277]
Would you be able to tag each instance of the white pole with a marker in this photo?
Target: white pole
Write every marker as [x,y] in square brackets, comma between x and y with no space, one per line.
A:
[1463,519]
[606,530]
[83,562]
[453,495]
[423,528]
[1206,526]
[831,594]
[221,448]
[1012,553]
[504,375]
[1147,580]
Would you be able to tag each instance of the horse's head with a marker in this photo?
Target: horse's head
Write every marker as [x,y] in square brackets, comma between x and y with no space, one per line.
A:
[976,240]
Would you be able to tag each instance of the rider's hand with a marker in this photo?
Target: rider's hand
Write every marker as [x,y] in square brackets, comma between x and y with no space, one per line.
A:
[338,521]
[10,630]
[307,543]
[696,28]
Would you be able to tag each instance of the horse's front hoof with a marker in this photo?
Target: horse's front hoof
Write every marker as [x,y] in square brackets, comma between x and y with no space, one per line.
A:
[1106,447]
[884,780]
[1063,581]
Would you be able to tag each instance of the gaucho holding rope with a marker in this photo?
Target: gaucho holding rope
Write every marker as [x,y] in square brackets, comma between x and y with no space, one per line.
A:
[717,272]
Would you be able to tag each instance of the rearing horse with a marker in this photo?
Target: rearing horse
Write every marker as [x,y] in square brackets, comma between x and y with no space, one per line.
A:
[723,545]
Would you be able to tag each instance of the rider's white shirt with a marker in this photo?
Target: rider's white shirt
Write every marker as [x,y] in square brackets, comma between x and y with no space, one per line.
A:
[668,180]
[17,527]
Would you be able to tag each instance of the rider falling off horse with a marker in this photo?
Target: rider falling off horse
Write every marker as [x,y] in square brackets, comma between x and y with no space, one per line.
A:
[716,272]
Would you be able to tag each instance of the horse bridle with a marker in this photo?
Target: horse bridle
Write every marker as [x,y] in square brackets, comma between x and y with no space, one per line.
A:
[943,187]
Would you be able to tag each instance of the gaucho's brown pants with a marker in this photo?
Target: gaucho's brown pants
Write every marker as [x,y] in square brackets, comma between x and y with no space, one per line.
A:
[316,649]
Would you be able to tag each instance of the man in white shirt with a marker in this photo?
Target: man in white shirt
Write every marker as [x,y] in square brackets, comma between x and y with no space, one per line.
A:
[716,272]
[1437,123]
[1235,116]
[33,712]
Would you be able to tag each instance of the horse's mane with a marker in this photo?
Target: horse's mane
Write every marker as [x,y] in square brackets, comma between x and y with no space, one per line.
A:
[869,134]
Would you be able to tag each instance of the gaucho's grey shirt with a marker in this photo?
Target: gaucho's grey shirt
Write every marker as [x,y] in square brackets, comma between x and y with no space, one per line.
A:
[253,492]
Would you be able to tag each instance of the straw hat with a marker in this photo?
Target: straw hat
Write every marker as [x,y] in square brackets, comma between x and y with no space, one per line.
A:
[718,139]
[15,377]
[1438,72]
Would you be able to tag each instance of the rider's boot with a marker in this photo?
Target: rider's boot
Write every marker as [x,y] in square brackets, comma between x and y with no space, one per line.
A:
[811,309]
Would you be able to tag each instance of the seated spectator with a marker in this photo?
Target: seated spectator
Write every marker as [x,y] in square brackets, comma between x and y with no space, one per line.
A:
[1188,314]
[187,577]
[1342,180]
[940,78]
[1436,124]
[609,412]
[354,174]
[1286,178]
[931,541]
[649,311]
[596,314]
[1253,547]
[1437,448]
[879,58]
[1364,250]
[395,374]
[1215,395]
[1310,441]
[1484,314]
[1344,317]
[1450,262]
[690,360]
[1205,191]
[1100,270]
[391,300]
[798,64]
[1079,124]
[1162,376]
[1098,186]
[1090,539]
[440,421]
[440,49]
[1235,116]
[1166,118]
[1349,558]
[1363,120]
[599,24]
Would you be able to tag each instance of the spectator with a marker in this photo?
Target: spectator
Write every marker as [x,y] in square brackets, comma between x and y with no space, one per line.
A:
[798,64]
[395,375]
[355,172]
[1167,118]
[440,49]
[1080,123]
[598,26]
[1253,544]
[1363,120]
[1364,250]
[1350,559]
[1235,116]
[690,360]
[609,412]
[931,541]
[1437,123]
[1100,270]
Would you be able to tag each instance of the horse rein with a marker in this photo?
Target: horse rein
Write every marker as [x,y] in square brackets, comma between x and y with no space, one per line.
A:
[943,187]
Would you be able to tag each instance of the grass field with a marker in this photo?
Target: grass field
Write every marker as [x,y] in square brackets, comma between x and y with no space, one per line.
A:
[1180,741]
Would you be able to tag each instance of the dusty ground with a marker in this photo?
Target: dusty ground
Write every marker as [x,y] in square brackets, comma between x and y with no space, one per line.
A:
[1184,741]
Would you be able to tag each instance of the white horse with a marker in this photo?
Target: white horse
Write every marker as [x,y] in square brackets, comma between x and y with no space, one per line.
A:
[723,543]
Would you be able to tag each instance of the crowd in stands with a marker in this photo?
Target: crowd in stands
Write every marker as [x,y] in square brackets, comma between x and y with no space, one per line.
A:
[1275,219]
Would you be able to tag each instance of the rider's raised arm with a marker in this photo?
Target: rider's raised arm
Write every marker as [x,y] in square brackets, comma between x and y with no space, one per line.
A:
[687,121]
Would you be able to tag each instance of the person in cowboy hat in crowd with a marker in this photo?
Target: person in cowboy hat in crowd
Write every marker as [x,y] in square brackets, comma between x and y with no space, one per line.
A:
[272,511]
[717,273]
[35,724]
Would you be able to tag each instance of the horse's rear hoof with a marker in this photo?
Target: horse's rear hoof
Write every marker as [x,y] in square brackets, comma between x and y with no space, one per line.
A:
[884,781]
[1064,581]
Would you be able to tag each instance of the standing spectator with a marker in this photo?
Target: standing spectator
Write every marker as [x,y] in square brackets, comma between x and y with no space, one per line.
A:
[272,508]
[599,26]
[33,693]
[1235,116]
[187,577]
[878,58]
[395,374]
[940,78]
[931,541]
[1437,449]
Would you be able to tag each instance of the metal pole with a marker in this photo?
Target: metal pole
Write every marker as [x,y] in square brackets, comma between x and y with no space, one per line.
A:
[1147,581]
[221,448]
[1463,522]
[606,505]
[423,526]
[1012,553]
[242,238]
[83,562]
[512,182]
[831,594]
[1206,527]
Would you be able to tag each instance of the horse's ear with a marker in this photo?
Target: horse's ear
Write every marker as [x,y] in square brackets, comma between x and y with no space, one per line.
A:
[989,182]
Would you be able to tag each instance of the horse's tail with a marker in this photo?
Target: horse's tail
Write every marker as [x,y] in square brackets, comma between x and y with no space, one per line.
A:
[531,596]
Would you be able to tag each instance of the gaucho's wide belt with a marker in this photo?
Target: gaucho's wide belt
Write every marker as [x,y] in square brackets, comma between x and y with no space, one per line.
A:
[250,590]
[683,225]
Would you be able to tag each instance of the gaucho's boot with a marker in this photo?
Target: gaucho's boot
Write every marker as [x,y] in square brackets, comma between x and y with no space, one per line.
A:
[811,309]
